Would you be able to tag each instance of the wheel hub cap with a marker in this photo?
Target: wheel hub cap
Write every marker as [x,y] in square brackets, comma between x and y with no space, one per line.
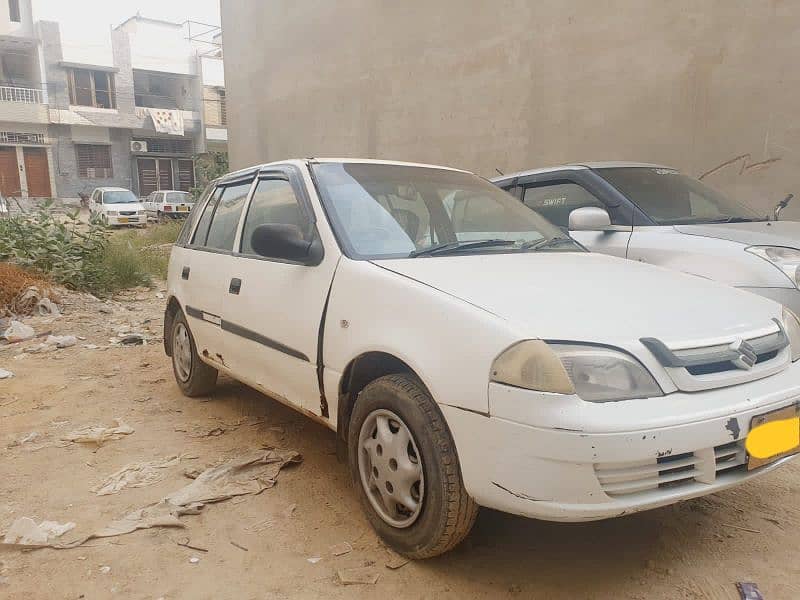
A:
[182,352]
[390,467]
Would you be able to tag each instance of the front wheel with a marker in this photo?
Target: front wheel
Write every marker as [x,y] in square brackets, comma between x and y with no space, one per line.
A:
[194,377]
[404,465]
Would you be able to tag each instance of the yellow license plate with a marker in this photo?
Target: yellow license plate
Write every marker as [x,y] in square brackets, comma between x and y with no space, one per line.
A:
[183,209]
[773,435]
[123,219]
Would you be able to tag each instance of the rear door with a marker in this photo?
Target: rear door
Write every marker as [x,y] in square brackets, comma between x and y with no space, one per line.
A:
[273,307]
[9,172]
[203,268]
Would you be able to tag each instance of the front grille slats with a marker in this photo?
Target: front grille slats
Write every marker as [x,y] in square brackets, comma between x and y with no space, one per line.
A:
[624,479]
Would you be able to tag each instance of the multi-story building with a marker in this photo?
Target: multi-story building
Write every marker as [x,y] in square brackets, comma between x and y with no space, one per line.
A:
[132,112]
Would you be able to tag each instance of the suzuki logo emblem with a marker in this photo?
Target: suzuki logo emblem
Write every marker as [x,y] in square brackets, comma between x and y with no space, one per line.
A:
[747,355]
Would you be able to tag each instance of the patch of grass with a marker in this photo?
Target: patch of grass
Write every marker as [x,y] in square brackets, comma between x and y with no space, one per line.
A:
[135,257]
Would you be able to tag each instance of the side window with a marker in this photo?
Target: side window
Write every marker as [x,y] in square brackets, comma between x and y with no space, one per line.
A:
[225,220]
[201,233]
[273,202]
[555,201]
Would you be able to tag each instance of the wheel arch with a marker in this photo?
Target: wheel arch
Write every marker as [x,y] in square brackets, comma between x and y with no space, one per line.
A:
[359,372]
[173,308]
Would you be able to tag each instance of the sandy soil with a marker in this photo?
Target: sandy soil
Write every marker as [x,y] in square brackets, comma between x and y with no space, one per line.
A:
[698,549]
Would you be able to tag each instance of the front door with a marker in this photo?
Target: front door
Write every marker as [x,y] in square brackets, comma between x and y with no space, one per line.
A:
[273,307]
[9,172]
[154,174]
[185,175]
[37,172]
[555,200]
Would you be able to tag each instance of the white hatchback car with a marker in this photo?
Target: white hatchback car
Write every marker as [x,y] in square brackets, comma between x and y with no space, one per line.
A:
[117,206]
[468,353]
[168,204]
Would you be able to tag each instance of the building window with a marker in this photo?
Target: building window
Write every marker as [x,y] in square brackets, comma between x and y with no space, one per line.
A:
[94,161]
[92,88]
[216,113]
[223,111]
[13,11]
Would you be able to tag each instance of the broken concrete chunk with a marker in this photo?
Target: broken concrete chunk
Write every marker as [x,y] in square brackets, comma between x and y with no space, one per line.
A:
[357,575]
[47,308]
[18,332]
[132,339]
[61,341]
[25,531]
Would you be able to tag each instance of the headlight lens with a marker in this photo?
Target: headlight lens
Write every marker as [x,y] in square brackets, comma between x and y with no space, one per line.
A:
[792,326]
[594,373]
[786,259]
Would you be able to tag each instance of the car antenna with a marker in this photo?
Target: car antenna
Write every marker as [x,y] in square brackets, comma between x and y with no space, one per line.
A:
[499,171]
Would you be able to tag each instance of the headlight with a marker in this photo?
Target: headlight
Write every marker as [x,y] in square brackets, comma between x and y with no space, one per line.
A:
[594,373]
[786,259]
[792,326]
[111,213]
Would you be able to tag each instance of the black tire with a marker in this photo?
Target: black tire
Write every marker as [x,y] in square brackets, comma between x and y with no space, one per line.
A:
[447,513]
[200,378]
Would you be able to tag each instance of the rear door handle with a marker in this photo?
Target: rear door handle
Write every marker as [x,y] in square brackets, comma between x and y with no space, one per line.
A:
[235,286]
[185,273]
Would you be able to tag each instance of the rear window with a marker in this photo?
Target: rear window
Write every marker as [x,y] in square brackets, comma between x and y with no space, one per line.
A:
[178,197]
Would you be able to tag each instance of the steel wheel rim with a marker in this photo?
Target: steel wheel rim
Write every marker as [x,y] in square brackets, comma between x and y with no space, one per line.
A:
[390,468]
[182,352]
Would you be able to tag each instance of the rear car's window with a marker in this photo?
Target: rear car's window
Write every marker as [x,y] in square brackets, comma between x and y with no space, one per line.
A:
[556,201]
[178,197]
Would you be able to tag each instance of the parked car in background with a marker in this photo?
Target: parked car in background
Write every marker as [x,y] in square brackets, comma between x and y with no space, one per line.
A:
[117,206]
[655,214]
[168,204]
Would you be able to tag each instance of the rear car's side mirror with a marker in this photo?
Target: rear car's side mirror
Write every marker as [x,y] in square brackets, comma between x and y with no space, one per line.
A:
[277,240]
[589,218]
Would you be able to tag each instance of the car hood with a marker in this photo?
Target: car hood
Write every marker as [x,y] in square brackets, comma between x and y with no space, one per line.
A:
[766,233]
[595,298]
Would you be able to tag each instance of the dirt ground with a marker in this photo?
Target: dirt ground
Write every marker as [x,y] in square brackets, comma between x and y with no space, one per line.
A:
[258,546]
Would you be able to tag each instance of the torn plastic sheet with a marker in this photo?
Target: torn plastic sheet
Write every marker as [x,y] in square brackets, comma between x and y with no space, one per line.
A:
[25,531]
[251,474]
[97,434]
[138,474]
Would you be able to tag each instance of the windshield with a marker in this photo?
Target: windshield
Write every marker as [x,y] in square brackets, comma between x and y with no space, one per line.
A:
[119,197]
[672,198]
[178,197]
[394,211]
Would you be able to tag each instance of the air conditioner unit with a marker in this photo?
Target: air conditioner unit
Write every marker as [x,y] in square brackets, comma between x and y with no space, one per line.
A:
[137,146]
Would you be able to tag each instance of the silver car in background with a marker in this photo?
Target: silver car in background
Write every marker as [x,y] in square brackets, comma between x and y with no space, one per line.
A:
[655,214]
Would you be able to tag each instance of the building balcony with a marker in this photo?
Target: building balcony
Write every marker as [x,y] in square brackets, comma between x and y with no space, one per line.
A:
[22,105]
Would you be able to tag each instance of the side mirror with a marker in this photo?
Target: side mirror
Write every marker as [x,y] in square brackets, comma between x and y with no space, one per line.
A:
[273,240]
[589,218]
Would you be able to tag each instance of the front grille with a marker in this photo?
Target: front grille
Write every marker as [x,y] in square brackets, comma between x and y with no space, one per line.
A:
[128,213]
[675,470]
[721,367]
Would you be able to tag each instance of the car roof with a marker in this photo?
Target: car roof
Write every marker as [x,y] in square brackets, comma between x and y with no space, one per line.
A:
[306,161]
[577,166]
[172,191]
[112,189]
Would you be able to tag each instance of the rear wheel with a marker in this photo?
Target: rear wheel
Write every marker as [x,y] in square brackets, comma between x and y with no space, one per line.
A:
[404,464]
[194,377]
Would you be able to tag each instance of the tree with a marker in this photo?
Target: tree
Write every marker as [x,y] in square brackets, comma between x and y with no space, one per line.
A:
[208,167]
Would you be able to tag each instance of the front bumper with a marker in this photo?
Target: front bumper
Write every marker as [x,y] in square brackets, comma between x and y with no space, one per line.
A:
[127,220]
[789,297]
[544,465]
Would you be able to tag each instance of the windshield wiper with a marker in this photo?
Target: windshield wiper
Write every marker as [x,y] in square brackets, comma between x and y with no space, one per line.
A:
[454,246]
[545,243]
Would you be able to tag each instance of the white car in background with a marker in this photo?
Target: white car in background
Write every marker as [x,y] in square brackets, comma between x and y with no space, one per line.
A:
[168,204]
[467,352]
[117,206]
[657,215]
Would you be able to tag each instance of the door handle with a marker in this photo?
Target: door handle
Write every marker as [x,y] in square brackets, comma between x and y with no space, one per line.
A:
[185,273]
[235,286]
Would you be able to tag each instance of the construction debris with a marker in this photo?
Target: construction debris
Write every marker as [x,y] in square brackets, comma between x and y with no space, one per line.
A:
[97,434]
[341,548]
[5,374]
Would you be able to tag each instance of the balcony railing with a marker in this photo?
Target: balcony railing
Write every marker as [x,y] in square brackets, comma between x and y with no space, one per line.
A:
[20,94]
